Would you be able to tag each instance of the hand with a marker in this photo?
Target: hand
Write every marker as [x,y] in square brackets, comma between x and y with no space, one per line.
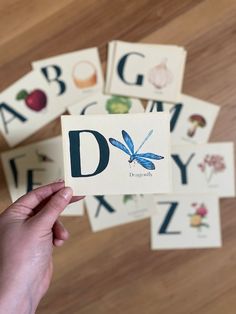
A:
[28,230]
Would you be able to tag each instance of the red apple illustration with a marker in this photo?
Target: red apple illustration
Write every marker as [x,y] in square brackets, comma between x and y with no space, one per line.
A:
[35,100]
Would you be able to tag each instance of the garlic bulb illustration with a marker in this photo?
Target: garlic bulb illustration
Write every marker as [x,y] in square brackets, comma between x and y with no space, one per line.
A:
[160,76]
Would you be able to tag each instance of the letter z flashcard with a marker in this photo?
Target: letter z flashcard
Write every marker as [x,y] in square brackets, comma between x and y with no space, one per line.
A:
[117,154]
[185,222]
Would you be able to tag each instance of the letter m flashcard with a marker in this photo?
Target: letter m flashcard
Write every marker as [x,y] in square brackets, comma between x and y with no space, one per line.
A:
[117,154]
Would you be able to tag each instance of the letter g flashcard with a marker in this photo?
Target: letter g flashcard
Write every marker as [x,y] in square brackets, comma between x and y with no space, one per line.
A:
[117,154]
[147,71]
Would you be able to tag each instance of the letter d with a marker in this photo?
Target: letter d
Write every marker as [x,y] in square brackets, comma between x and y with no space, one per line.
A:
[75,159]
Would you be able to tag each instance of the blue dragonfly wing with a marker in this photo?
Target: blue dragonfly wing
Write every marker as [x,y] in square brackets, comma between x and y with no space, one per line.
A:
[119,145]
[128,141]
[147,164]
[150,156]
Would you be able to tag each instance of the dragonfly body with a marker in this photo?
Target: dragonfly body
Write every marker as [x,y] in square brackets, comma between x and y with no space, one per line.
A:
[132,158]
[142,159]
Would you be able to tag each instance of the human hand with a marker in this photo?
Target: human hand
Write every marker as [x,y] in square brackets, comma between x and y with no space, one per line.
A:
[28,230]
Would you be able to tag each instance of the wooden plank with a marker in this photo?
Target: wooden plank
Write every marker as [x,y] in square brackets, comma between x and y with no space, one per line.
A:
[114,271]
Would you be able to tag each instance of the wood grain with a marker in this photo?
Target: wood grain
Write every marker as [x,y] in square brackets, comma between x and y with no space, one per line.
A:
[114,270]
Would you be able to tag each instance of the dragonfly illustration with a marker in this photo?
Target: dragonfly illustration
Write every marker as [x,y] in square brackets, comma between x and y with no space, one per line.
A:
[142,159]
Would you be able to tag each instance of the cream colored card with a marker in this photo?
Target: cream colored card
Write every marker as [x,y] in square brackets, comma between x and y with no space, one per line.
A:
[72,76]
[185,222]
[30,166]
[34,174]
[145,70]
[191,119]
[26,106]
[113,210]
[117,154]
[206,168]
[104,104]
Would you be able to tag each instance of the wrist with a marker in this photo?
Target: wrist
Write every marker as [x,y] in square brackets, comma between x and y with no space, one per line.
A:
[16,298]
[11,305]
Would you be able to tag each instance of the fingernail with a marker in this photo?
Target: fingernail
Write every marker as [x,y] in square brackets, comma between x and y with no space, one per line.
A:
[66,193]
[59,180]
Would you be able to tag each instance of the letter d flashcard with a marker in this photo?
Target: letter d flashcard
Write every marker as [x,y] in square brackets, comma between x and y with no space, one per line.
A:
[117,154]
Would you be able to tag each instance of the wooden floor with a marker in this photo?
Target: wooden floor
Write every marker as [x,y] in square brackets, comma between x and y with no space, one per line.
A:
[114,271]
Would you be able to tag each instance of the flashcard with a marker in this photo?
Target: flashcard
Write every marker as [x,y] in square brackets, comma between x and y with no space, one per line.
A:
[34,165]
[113,210]
[117,154]
[186,221]
[205,168]
[72,76]
[191,119]
[26,106]
[34,174]
[104,104]
[145,70]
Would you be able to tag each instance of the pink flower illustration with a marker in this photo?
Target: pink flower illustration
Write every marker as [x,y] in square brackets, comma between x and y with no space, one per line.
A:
[214,163]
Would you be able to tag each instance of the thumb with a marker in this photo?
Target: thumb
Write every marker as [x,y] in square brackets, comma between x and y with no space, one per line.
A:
[48,215]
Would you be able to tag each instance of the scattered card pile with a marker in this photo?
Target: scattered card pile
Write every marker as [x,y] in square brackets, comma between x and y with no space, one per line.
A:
[132,161]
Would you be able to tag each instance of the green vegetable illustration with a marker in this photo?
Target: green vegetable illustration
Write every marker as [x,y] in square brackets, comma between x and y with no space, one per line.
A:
[131,197]
[127,198]
[118,104]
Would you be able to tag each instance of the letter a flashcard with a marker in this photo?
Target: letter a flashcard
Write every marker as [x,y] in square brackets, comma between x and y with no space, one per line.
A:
[26,106]
[117,154]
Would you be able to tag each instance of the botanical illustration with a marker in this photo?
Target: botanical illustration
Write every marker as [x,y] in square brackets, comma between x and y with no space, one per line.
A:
[43,157]
[197,219]
[143,158]
[197,121]
[160,76]
[131,197]
[211,166]
[118,104]
[84,74]
[35,100]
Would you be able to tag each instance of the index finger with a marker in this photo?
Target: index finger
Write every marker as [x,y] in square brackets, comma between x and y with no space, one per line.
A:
[35,197]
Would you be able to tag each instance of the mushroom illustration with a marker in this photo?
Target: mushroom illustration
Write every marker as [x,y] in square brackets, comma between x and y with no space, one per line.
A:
[197,121]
